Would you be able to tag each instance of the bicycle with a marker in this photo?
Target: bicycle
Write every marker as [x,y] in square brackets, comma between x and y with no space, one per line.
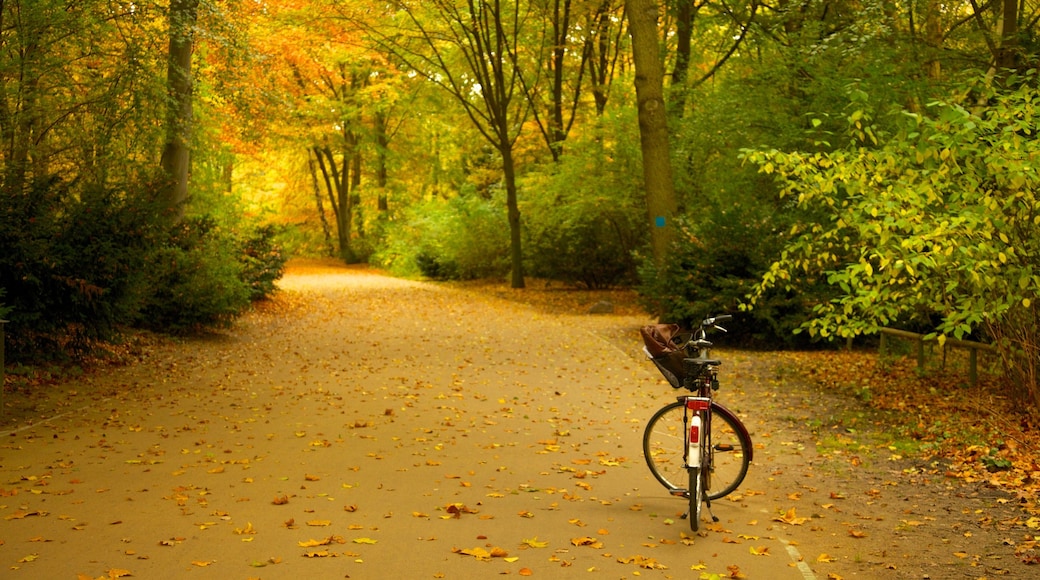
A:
[697,448]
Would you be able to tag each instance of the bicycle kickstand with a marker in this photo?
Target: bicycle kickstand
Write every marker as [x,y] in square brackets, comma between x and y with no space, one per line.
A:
[707,504]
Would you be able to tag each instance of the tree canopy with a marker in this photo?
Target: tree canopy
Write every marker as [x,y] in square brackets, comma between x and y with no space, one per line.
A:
[827,167]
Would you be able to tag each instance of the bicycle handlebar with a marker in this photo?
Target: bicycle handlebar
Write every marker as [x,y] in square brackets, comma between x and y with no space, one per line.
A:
[712,322]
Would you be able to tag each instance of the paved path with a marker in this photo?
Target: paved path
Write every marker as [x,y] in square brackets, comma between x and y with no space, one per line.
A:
[376,430]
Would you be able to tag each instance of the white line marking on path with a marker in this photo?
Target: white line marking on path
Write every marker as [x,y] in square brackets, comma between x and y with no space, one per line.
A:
[799,561]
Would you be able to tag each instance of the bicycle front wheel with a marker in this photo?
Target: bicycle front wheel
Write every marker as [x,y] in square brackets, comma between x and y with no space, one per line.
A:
[696,488]
[664,442]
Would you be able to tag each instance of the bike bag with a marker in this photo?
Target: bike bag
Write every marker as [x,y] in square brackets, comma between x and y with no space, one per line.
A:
[662,344]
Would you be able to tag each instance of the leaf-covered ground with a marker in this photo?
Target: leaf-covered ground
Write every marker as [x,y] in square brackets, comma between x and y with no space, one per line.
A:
[359,426]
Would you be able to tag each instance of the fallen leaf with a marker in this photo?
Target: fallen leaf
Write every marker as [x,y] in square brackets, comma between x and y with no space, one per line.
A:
[791,518]
[535,543]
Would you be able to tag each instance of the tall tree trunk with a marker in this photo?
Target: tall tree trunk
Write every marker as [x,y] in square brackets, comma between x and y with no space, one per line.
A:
[683,47]
[329,250]
[382,146]
[1007,57]
[933,38]
[560,31]
[661,202]
[176,160]
[513,213]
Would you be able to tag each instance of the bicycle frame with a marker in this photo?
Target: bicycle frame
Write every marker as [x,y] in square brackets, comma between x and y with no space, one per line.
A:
[697,420]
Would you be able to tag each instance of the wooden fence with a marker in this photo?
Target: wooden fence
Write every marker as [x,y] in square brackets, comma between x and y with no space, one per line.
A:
[972,347]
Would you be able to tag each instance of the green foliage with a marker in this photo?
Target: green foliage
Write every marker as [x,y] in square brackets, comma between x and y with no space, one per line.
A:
[934,221]
[464,237]
[4,309]
[713,275]
[196,280]
[585,219]
[263,261]
[74,266]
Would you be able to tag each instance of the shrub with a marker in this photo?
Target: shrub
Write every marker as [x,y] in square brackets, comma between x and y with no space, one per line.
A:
[74,266]
[585,218]
[935,219]
[462,238]
[196,280]
[263,261]
[711,269]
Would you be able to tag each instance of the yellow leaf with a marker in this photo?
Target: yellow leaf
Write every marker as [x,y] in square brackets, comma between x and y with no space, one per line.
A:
[201,563]
[319,523]
[824,558]
[587,541]
[535,543]
[759,551]
[364,541]
[791,518]
[319,554]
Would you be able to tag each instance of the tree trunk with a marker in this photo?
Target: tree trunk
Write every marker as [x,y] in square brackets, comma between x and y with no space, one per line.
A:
[513,212]
[329,250]
[176,161]
[683,47]
[933,38]
[1007,57]
[382,146]
[661,203]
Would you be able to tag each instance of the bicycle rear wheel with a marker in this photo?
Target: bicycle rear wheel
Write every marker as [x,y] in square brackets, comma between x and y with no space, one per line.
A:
[664,442]
[729,453]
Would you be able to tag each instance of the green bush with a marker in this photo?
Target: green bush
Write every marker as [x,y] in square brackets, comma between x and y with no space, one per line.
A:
[711,269]
[263,261]
[197,280]
[930,216]
[584,218]
[74,265]
[465,237]
[4,309]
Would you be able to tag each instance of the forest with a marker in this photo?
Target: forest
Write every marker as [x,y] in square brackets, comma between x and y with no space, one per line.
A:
[824,168]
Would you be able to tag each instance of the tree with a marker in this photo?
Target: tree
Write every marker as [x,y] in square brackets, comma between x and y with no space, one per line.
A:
[605,28]
[661,202]
[471,50]
[176,154]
